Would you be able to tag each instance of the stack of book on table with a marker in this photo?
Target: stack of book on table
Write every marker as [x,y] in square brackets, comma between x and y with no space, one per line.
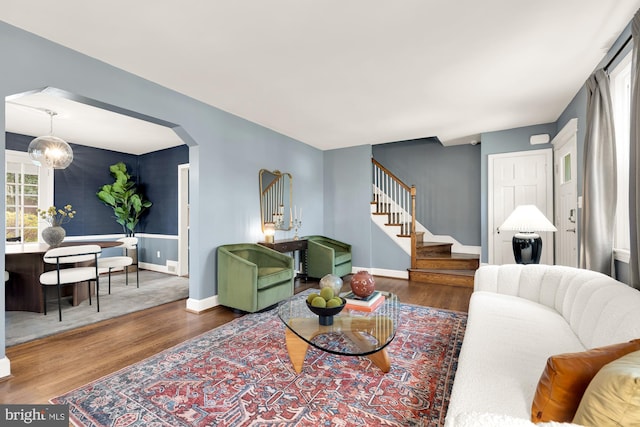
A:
[367,304]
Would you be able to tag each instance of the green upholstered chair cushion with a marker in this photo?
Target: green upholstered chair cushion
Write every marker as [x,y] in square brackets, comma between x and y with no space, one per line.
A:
[342,257]
[268,276]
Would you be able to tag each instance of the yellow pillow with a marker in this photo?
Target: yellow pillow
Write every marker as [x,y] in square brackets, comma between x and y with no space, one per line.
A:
[567,376]
[613,396]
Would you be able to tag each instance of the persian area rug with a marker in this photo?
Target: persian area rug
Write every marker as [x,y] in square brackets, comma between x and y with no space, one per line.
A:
[239,374]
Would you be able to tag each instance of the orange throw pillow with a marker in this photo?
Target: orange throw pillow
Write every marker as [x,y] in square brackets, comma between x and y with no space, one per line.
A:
[566,377]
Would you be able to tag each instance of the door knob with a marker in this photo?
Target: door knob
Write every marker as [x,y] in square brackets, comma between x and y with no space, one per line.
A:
[572,230]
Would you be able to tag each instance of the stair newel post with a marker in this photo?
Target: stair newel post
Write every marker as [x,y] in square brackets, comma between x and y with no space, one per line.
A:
[413,226]
[374,180]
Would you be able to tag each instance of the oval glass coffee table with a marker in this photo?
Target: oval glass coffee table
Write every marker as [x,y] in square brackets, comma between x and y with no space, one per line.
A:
[353,332]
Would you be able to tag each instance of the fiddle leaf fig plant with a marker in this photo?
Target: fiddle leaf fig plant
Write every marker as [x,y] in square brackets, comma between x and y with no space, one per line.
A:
[122,196]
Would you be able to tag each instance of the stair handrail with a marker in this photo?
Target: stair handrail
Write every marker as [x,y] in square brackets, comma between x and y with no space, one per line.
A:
[399,199]
[390,174]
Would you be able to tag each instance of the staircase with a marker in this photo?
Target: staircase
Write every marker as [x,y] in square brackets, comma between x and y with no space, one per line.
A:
[431,262]
[436,264]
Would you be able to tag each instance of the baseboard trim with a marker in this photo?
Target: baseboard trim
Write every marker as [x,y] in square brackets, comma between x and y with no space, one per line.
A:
[5,367]
[396,274]
[199,306]
[390,273]
[157,267]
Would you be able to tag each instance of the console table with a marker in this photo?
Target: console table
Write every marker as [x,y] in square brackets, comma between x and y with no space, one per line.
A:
[293,246]
[286,245]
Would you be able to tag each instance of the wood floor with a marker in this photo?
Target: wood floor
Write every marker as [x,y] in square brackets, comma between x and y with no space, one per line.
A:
[51,366]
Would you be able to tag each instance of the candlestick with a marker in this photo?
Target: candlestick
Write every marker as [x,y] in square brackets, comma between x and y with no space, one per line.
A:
[297,224]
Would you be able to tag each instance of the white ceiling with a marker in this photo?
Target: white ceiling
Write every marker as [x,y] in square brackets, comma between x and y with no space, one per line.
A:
[85,124]
[338,73]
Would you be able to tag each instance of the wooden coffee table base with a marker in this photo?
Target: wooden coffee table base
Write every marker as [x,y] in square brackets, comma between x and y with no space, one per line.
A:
[297,349]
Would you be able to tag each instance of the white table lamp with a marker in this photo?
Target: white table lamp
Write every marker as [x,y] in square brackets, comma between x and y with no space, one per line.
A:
[526,221]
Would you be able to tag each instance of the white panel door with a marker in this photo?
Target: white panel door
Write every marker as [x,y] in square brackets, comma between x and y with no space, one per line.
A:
[566,194]
[520,178]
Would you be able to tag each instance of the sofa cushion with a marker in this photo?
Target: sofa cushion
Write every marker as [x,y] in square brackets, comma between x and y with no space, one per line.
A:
[566,377]
[594,305]
[475,419]
[613,396]
[506,345]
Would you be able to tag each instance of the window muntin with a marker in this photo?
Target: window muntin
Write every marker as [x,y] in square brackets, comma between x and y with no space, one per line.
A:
[27,189]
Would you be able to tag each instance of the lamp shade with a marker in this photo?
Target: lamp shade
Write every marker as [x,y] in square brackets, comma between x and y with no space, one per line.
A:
[527,219]
[269,232]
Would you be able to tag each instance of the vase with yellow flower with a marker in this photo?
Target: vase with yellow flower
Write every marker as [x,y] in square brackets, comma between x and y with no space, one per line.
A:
[55,217]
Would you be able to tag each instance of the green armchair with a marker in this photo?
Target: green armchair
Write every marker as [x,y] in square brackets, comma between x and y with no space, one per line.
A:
[252,277]
[327,256]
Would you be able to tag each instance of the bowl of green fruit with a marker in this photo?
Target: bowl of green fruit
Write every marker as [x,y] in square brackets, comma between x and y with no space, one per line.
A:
[326,305]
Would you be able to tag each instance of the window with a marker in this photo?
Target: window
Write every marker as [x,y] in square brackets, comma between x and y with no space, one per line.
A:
[28,187]
[566,168]
[620,81]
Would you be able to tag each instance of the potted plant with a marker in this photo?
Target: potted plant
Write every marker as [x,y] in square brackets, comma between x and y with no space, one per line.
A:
[55,217]
[122,196]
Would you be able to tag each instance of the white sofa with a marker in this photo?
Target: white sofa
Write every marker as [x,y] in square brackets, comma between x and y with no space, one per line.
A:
[518,317]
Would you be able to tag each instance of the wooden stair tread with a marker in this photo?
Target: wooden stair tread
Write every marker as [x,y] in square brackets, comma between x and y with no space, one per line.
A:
[451,256]
[468,273]
[435,244]
[434,261]
[447,263]
[428,249]
[462,278]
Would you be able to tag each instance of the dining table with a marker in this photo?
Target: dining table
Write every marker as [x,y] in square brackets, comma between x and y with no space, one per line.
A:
[25,264]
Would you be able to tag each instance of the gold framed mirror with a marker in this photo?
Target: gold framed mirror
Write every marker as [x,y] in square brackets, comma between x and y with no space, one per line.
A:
[276,192]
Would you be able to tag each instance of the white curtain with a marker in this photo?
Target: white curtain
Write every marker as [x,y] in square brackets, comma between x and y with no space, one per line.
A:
[634,160]
[599,186]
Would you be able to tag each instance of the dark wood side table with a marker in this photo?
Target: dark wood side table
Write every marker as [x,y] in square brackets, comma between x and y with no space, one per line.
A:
[293,246]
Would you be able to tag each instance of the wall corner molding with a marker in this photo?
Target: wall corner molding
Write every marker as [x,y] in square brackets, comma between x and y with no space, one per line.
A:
[200,306]
[5,367]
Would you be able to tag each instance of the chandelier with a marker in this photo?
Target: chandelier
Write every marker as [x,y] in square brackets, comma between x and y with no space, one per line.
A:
[50,151]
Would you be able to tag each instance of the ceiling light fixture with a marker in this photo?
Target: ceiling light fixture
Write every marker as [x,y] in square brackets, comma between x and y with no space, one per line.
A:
[50,151]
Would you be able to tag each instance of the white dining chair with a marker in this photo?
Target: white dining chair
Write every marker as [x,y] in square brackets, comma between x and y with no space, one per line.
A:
[108,264]
[70,275]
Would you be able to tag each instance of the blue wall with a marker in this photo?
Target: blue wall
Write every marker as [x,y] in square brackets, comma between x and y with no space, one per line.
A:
[158,180]
[505,141]
[225,154]
[156,175]
[347,201]
[447,198]
[225,151]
